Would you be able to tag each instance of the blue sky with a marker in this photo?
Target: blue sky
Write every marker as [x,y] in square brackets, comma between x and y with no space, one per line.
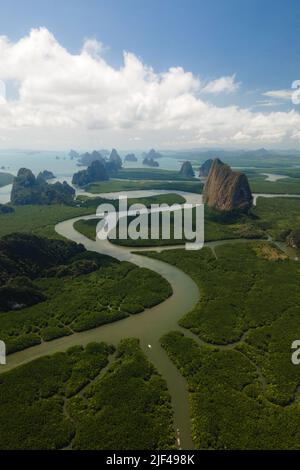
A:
[254,40]
[257,39]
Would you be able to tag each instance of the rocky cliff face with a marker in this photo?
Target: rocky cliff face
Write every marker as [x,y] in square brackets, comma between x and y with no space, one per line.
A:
[187,170]
[205,168]
[227,190]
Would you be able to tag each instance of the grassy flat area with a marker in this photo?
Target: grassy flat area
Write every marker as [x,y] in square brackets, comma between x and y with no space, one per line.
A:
[259,172]
[151,174]
[5,179]
[87,228]
[114,185]
[67,401]
[283,186]
[39,220]
[259,184]
[147,201]
[244,397]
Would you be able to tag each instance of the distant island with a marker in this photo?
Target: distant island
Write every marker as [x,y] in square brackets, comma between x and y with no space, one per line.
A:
[73,154]
[87,158]
[112,164]
[114,161]
[153,155]
[130,158]
[150,162]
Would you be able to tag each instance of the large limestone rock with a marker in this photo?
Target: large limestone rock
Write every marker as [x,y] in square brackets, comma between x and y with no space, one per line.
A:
[27,189]
[187,170]
[115,160]
[227,190]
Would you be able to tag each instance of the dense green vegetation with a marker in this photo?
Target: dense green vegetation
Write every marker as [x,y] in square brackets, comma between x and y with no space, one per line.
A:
[132,407]
[81,296]
[115,185]
[5,179]
[244,397]
[229,406]
[232,285]
[24,258]
[67,401]
[278,215]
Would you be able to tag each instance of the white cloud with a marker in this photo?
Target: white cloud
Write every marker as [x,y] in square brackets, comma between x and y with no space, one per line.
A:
[222,85]
[279,94]
[79,100]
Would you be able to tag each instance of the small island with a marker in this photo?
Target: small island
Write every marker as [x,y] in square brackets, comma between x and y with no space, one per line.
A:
[150,162]
[153,154]
[130,158]
[73,154]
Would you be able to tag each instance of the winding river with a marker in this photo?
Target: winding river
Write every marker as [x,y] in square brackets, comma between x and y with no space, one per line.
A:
[148,326]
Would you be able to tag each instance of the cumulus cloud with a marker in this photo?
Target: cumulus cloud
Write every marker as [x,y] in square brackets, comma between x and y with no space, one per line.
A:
[79,99]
